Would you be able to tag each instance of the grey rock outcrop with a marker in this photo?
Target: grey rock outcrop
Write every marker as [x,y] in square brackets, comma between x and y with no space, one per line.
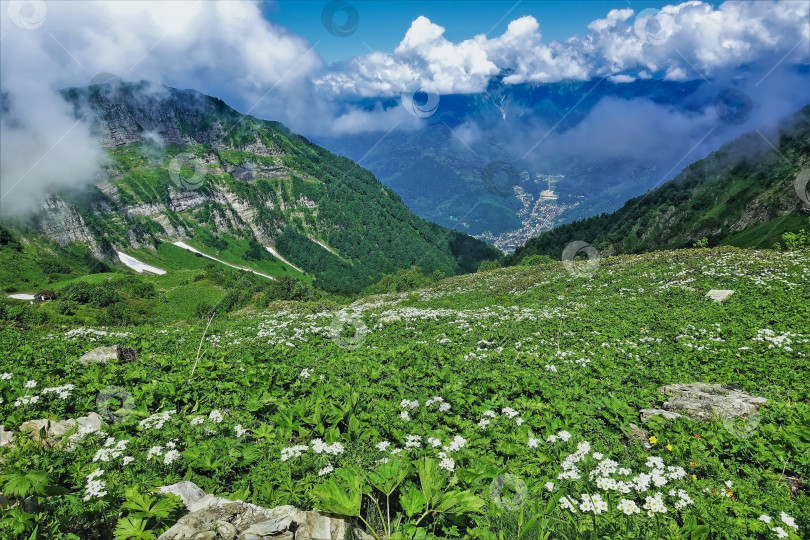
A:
[719,295]
[704,402]
[213,517]
[55,431]
[103,354]
[6,437]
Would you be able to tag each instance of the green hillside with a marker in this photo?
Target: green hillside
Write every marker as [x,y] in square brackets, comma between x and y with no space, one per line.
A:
[184,166]
[742,195]
[468,380]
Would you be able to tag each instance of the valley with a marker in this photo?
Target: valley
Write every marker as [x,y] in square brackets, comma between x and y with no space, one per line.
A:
[346,270]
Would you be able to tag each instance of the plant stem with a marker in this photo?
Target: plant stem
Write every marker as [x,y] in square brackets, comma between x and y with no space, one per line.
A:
[379,511]
[200,347]
[369,527]
[421,518]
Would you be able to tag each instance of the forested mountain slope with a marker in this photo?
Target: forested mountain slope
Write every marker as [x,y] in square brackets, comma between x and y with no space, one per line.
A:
[744,194]
[186,167]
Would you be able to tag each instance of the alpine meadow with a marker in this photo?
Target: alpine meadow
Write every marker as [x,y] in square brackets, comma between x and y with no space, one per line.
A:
[389,270]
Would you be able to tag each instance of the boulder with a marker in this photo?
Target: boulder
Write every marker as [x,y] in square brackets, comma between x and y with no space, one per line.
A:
[104,354]
[646,414]
[705,402]
[6,437]
[55,431]
[216,517]
[719,295]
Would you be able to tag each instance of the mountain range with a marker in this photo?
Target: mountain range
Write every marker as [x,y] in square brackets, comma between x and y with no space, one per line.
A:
[748,194]
[184,168]
[507,164]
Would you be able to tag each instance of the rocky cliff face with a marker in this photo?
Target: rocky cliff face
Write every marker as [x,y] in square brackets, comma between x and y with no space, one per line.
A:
[156,118]
[182,164]
[64,224]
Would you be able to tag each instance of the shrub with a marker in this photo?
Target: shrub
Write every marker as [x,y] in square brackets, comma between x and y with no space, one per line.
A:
[799,241]
[536,260]
[66,307]
[485,266]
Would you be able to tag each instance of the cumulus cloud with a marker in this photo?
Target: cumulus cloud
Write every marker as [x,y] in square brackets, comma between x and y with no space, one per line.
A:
[680,42]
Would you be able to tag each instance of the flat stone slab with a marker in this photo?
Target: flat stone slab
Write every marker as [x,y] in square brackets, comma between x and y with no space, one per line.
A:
[646,414]
[719,295]
[214,517]
[705,402]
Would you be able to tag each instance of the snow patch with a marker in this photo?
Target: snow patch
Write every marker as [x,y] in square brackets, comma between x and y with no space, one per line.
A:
[137,265]
[21,296]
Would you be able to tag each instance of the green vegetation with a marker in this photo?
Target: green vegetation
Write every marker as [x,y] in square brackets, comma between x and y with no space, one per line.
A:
[742,195]
[449,411]
[38,262]
[284,188]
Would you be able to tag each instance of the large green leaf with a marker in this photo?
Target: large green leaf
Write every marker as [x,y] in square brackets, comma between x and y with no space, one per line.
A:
[431,479]
[387,477]
[458,502]
[341,494]
[133,528]
[20,484]
[413,502]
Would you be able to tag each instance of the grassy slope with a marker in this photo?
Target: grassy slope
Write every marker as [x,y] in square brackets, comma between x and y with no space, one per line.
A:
[482,343]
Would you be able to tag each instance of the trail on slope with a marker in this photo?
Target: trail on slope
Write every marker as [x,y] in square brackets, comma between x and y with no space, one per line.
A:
[195,250]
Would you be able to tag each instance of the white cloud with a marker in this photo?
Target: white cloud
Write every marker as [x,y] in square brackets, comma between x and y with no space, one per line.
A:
[227,49]
[687,41]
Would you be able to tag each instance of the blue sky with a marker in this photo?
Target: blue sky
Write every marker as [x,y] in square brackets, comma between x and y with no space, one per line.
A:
[383,24]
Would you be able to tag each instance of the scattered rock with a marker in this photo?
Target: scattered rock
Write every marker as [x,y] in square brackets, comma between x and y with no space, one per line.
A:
[646,414]
[45,295]
[189,492]
[795,484]
[719,295]
[704,402]
[5,436]
[211,517]
[103,354]
[637,434]
[55,431]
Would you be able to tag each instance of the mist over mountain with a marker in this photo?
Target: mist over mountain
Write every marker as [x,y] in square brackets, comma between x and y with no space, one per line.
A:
[603,142]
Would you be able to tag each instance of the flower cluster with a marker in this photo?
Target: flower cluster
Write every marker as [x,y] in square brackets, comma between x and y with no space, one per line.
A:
[62,391]
[654,505]
[628,507]
[318,446]
[111,450]
[171,453]
[156,421]
[25,400]
[95,487]
[593,503]
[413,441]
[779,531]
